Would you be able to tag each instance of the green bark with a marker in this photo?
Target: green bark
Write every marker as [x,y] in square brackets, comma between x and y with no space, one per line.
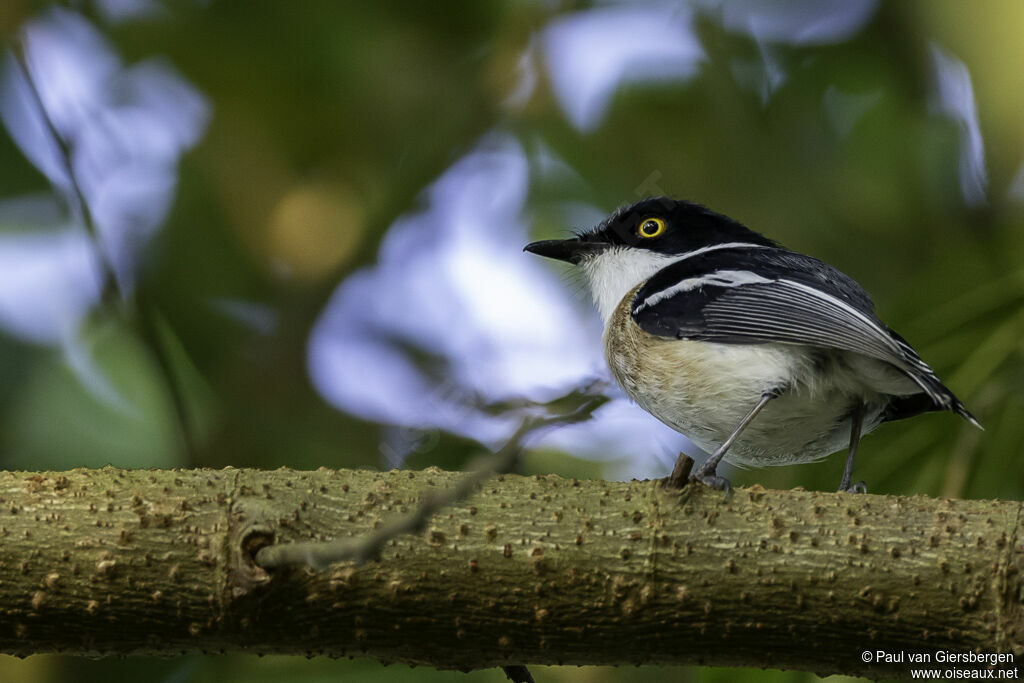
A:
[531,570]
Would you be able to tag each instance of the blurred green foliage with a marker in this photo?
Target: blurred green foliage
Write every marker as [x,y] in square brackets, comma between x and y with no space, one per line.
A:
[330,118]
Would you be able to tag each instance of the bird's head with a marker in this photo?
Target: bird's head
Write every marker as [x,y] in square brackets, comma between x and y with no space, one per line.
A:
[637,241]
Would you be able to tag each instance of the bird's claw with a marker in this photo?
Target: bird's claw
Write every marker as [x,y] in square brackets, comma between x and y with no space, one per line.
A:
[859,487]
[712,481]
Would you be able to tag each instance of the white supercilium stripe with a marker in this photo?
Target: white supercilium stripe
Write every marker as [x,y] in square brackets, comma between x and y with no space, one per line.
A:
[716,247]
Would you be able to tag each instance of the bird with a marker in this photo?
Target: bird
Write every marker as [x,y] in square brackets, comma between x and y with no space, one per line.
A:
[759,355]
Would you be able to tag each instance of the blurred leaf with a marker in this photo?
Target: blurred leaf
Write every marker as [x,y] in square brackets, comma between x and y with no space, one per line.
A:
[59,423]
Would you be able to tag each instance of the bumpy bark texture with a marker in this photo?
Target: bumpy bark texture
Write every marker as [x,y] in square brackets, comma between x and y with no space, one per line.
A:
[538,570]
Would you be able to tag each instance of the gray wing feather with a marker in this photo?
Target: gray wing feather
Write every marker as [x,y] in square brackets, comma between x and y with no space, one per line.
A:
[796,313]
[741,296]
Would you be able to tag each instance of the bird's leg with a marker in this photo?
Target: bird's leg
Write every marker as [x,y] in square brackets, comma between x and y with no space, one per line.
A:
[517,674]
[856,422]
[705,474]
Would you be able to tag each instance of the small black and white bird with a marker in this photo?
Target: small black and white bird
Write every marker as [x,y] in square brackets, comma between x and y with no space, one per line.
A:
[758,354]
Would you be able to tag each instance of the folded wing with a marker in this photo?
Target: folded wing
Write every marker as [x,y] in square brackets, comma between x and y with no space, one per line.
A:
[760,296]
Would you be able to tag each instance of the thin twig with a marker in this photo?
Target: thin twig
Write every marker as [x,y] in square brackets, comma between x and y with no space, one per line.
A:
[680,476]
[146,325]
[77,199]
[320,555]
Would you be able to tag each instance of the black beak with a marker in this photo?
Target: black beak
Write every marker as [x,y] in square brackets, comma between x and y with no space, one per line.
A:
[565,250]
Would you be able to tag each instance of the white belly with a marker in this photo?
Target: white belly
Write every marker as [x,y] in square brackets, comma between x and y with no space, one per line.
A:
[705,389]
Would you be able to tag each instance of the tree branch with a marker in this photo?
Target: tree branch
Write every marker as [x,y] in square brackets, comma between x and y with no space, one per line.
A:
[320,555]
[537,570]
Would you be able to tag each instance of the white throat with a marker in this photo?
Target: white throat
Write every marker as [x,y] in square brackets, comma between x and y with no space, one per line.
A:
[615,272]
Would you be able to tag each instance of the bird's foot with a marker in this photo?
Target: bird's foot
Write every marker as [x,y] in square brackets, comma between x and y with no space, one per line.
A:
[712,480]
[859,487]
[517,674]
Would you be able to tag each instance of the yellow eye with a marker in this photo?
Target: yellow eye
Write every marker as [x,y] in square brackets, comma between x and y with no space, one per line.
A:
[650,227]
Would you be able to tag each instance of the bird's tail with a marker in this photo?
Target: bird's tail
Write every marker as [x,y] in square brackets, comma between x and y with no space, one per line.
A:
[903,407]
[959,408]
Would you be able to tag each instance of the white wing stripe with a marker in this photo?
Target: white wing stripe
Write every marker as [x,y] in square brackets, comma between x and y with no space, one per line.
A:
[719,278]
